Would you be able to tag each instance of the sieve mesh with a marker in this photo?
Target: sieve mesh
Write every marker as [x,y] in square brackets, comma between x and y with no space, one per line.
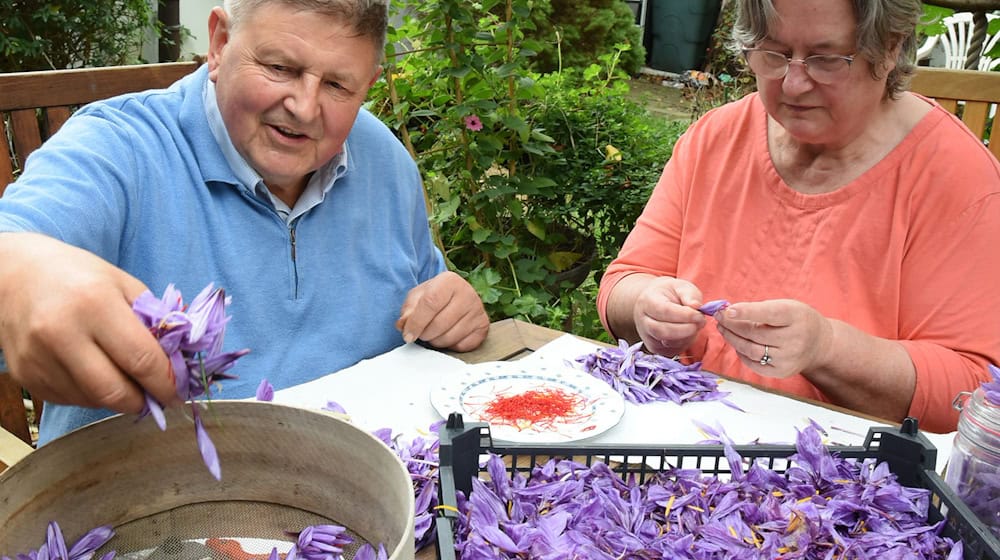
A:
[222,530]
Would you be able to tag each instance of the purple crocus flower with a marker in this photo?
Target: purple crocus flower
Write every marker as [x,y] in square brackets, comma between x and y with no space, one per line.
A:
[642,377]
[192,338]
[322,542]
[87,545]
[420,455]
[55,543]
[991,389]
[714,306]
[821,507]
[368,552]
[54,547]
[265,391]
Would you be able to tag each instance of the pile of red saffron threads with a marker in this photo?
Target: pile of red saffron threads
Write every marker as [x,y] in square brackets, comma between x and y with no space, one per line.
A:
[536,407]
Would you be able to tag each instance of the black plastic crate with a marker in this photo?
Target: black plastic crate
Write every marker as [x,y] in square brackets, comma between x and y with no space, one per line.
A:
[910,455]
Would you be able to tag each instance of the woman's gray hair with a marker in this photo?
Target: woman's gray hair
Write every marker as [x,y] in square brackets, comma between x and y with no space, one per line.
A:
[881,25]
[368,18]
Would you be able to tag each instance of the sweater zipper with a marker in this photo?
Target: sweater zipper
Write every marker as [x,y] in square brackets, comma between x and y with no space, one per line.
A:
[295,266]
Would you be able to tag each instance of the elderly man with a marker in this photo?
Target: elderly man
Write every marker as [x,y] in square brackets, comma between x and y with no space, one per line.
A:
[261,173]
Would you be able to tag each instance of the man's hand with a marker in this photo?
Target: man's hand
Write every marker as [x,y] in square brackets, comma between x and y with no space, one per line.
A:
[445,312]
[67,328]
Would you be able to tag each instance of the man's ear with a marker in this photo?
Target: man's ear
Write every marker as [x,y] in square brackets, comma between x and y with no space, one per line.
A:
[218,38]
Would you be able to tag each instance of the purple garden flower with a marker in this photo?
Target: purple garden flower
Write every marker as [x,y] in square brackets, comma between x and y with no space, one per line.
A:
[192,338]
[473,123]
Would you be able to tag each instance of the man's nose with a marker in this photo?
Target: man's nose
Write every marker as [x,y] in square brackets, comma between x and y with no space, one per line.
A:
[303,99]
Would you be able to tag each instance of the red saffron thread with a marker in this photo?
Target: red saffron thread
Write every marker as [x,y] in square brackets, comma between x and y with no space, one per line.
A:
[530,408]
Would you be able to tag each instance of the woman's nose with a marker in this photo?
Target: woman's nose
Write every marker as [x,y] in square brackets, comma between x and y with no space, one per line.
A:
[797,79]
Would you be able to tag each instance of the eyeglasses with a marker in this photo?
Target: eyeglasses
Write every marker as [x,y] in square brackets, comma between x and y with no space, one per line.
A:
[823,68]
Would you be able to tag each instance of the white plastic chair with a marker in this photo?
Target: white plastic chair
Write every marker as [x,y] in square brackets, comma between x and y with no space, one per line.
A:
[953,45]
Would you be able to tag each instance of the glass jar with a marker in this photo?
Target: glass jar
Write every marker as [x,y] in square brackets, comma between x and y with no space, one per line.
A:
[973,470]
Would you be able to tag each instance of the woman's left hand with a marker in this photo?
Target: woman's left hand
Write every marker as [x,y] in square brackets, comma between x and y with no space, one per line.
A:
[776,338]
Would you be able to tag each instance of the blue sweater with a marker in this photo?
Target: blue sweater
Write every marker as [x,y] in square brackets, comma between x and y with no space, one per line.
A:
[140,181]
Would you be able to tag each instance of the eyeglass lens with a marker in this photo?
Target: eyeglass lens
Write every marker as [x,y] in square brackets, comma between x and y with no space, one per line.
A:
[825,69]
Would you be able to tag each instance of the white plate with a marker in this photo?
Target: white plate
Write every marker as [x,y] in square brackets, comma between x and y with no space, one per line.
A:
[596,405]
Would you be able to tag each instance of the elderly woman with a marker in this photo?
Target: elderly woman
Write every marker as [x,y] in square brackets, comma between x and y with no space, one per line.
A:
[851,224]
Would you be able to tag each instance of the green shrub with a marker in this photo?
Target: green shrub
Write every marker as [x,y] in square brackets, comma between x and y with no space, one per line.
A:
[54,34]
[518,172]
[585,30]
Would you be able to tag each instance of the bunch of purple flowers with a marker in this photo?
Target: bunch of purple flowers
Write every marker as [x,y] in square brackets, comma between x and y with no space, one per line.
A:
[192,338]
[54,547]
[641,377]
[327,542]
[315,542]
[821,507]
[422,461]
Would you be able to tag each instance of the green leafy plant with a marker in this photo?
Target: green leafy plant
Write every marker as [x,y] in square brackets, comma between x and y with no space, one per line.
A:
[53,34]
[575,33]
[528,176]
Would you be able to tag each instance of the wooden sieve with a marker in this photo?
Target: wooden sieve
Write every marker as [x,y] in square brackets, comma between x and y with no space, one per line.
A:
[282,468]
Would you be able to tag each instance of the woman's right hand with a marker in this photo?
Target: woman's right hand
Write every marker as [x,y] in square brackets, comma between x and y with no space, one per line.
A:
[665,312]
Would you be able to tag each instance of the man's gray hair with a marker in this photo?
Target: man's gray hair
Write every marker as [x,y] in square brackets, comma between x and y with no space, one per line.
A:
[368,18]
[881,25]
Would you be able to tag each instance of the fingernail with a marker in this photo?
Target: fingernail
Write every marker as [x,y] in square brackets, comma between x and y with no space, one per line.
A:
[730,312]
[408,337]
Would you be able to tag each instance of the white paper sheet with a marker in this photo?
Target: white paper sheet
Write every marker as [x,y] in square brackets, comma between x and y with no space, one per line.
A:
[388,391]
[768,418]
[392,391]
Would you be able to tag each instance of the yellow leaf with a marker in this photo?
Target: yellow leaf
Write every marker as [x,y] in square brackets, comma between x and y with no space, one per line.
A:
[562,260]
[612,153]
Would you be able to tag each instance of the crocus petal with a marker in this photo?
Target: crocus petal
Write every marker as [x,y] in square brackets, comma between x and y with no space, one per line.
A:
[205,445]
[85,547]
[714,306]
[991,389]
[55,542]
[333,406]
[265,391]
[154,408]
